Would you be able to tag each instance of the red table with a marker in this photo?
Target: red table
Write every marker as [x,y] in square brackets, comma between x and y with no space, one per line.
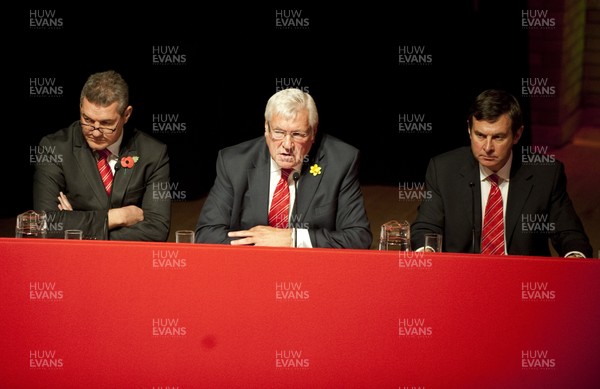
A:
[100,314]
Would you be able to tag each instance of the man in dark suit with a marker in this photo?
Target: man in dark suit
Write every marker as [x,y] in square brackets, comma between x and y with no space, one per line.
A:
[535,206]
[329,208]
[133,201]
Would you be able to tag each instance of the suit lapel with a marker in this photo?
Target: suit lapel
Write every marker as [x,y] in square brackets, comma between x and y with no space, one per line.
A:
[86,162]
[123,175]
[520,187]
[309,183]
[258,187]
[470,187]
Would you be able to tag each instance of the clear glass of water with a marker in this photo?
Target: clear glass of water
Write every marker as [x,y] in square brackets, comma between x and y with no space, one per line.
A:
[184,236]
[433,243]
[395,236]
[31,224]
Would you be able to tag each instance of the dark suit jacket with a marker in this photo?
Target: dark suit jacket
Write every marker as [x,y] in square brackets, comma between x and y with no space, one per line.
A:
[67,164]
[538,207]
[330,204]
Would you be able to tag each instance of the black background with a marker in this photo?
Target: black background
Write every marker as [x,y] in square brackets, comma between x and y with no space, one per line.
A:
[346,57]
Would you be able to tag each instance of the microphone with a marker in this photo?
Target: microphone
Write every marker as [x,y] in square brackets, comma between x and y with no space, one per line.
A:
[296,177]
[117,165]
[472,185]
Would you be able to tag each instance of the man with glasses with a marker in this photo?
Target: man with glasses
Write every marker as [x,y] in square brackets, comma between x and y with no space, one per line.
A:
[99,177]
[321,203]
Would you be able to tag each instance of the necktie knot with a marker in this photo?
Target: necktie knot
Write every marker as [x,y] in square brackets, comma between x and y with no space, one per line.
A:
[494,179]
[285,173]
[103,154]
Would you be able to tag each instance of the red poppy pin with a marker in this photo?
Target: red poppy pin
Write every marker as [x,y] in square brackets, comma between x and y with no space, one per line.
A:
[129,161]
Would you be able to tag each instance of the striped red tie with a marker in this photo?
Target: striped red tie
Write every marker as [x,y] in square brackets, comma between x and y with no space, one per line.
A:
[280,206]
[105,170]
[492,241]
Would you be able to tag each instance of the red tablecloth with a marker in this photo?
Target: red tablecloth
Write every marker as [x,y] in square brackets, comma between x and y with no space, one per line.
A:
[100,314]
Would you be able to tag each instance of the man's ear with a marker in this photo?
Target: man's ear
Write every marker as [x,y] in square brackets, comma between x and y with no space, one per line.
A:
[517,135]
[127,113]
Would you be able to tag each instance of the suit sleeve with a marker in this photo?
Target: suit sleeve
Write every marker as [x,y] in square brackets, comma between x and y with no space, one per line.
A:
[48,181]
[570,234]
[431,215]
[156,204]
[215,216]
[51,178]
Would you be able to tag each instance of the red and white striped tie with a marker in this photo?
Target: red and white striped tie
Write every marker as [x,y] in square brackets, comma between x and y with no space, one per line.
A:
[280,206]
[492,241]
[104,168]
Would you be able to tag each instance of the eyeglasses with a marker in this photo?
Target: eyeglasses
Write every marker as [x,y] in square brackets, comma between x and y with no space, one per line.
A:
[103,130]
[297,136]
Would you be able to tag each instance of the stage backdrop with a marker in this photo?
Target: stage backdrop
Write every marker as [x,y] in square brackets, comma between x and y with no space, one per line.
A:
[393,80]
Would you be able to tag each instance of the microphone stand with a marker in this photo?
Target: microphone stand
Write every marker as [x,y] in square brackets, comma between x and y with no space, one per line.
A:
[296,177]
[472,185]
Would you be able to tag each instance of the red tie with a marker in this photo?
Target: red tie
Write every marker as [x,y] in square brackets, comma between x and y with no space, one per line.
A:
[492,241]
[280,206]
[105,170]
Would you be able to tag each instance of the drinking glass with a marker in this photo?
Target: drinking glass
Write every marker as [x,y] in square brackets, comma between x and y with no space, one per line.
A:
[74,234]
[395,235]
[433,243]
[184,236]
[31,224]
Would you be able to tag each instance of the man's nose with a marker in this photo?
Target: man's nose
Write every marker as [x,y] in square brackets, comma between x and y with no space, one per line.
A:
[488,145]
